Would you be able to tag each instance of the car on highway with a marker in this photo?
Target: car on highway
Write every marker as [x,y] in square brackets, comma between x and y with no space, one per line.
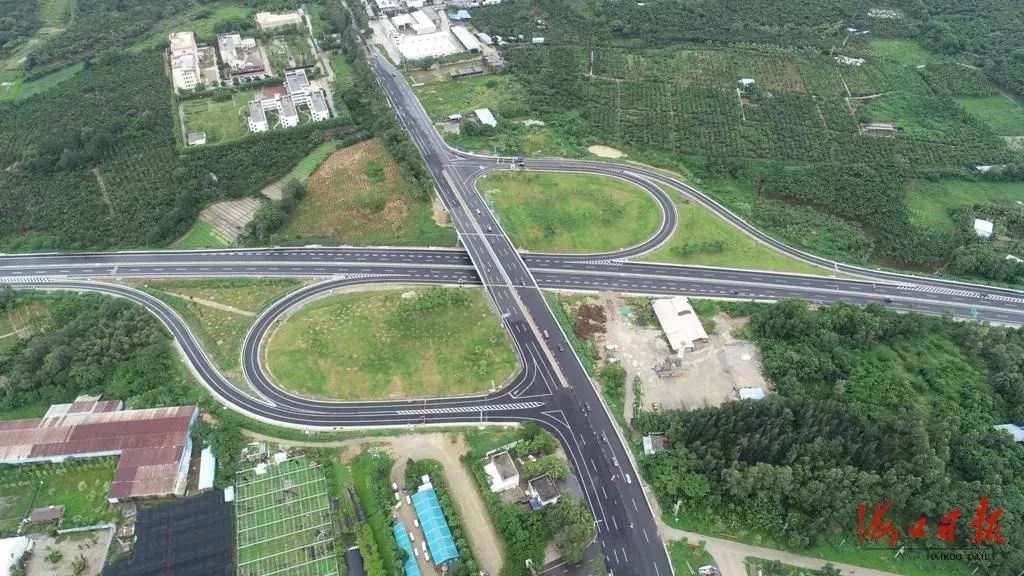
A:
[604,438]
[560,348]
[888,300]
[545,333]
[615,461]
[489,229]
[629,479]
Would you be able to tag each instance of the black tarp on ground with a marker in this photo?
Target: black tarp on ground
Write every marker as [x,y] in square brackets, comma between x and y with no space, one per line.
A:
[193,536]
[354,561]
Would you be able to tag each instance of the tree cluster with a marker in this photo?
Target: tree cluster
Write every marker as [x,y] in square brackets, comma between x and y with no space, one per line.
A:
[870,405]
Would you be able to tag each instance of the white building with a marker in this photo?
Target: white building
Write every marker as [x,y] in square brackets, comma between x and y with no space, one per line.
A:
[318,109]
[184,54]
[12,550]
[502,472]
[196,138]
[485,117]
[983,228]
[265,20]
[257,117]
[288,114]
[681,325]
[421,23]
[466,39]
[752,394]
[229,45]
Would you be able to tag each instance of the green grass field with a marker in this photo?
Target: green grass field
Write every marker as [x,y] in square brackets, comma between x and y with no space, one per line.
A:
[687,558]
[12,87]
[546,212]
[375,345]
[903,51]
[222,121]
[221,331]
[202,235]
[288,50]
[445,97]
[30,411]
[929,202]
[283,520]
[706,240]
[80,485]
[54,12]
[1003,114]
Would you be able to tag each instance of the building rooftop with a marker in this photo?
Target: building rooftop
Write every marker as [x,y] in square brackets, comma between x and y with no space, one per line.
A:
[485,117]
[288,107]
[46,514]
[544,487]
[11,551]
[459,15]
[182,41]
[256,111]
[681,325]
[752,394]
[317,102]
[196,138]
[149,443]
[465,38]
[655,443]
[271,20]
[296,80]
[435,527]
[983,227]
[402,538]
[504,464]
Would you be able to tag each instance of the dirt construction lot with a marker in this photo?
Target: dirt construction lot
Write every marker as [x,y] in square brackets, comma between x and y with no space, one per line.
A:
[88,546]
[709,376]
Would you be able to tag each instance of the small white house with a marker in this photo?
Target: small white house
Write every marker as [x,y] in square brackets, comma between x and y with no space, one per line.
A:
[746,82]
[983,228]
[751,393]
[502,472]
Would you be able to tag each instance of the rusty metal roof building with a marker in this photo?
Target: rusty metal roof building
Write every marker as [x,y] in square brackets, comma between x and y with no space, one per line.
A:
[153,445]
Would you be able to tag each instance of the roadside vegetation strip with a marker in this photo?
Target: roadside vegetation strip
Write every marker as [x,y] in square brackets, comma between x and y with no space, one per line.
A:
[219,330]
[687,558]
[426,342]
[359,196]
[202,235]
[704,239]
[571,213]
[371,473]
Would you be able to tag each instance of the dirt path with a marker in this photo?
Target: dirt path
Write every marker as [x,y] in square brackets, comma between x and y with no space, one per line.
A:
[103,191]
[212,304]
[446,449]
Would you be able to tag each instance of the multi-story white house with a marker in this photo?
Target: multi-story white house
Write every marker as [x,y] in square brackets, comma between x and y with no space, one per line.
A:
[257,117]
[185,72]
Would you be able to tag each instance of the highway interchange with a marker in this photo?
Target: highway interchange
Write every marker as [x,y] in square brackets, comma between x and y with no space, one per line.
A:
[552,388]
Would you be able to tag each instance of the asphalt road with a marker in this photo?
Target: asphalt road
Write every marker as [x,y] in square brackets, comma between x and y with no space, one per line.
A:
[552,389]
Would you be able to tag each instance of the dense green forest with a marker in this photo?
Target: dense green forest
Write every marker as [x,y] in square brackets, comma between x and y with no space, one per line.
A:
[870,405]
[660,80]
[90,344]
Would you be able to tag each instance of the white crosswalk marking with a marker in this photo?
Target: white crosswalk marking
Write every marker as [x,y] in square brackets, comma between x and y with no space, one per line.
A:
[474,409]
[24,279]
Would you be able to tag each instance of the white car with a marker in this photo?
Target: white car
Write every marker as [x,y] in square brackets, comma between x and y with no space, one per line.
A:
[412,537]
[629,479]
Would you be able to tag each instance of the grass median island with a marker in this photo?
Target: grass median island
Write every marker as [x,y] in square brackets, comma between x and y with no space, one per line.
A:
[706,240]
[392,344]
[567,213]
[221,311]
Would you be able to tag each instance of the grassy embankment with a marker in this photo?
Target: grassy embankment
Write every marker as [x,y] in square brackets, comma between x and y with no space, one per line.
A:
[360,346]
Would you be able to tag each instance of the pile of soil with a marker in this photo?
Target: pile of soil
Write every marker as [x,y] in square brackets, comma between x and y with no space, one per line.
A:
[590,320]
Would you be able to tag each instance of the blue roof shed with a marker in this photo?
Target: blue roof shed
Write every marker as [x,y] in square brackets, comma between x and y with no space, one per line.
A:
[435,527]
[402,537]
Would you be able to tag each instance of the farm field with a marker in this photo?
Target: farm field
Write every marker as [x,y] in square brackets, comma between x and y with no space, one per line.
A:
[903,51]
[222,121]
[1002,113]
[358,196]
[706,240]
[545,212]
[202,235]
[220,311]
[283,520]
[13,87]
[80,485]
[383,344]
[929,202]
